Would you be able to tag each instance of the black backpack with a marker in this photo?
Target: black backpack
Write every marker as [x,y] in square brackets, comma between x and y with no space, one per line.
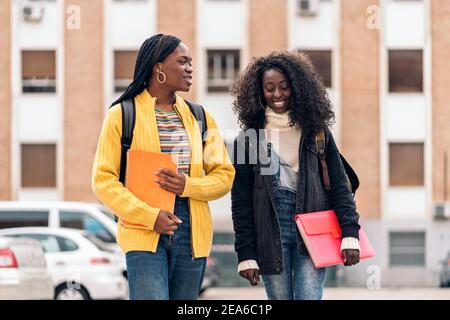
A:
[352,180]
[128,120]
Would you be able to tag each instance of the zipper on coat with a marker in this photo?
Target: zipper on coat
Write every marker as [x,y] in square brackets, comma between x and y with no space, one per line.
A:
[190,221]
[190,168]
[298,181]
[269,155]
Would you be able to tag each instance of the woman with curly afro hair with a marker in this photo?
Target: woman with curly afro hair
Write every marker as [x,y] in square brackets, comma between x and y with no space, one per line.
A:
[283,107]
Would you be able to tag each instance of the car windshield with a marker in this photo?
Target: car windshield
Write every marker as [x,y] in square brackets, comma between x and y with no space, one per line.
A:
[102,246]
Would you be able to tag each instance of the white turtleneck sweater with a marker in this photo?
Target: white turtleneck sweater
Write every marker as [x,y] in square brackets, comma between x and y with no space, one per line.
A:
[285,139]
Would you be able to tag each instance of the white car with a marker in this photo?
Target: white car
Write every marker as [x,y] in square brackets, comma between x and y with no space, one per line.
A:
[56,214]
[82,267]
[23,270]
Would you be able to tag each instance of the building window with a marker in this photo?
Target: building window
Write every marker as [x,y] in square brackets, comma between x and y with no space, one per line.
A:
[405,71]
[321,59]
[38,166]
[407,248]
[124,62]
[406,164]
[38,71]
[223,67]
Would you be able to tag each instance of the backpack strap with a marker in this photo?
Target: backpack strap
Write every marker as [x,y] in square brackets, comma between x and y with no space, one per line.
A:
[128,121]
[199,114]
[320,144]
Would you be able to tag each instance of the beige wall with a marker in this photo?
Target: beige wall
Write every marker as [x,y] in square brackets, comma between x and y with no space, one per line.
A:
[440,29]
[360,102]
[84,103]
[177,17]
[267,26]
[5,100]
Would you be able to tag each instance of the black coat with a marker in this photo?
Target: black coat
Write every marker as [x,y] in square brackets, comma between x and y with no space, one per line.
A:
[257,231]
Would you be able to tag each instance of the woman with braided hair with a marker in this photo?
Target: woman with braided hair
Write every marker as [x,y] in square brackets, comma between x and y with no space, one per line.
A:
[165,251]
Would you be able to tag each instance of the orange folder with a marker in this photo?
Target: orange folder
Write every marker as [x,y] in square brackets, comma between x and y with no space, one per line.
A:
[322,234]
[140,176]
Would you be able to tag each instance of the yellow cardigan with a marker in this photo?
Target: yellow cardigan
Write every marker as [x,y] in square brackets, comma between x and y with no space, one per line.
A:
[199,188]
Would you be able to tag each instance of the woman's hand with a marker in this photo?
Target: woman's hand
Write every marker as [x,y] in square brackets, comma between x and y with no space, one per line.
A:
[251,275]
[350,257]
[166,223]
[171,181]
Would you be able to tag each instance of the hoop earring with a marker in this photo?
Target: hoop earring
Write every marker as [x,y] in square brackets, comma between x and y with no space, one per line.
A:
[260,104]
[164,76]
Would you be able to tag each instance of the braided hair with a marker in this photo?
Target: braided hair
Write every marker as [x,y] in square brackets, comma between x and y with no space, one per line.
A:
[154,50]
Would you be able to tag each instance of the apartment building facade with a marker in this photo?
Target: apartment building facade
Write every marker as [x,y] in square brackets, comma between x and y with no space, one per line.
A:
[384,63]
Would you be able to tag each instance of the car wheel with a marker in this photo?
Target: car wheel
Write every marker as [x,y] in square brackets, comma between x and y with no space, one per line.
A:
[63,292]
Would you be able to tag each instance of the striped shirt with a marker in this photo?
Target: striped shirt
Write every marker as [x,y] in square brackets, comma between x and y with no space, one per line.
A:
[173,138]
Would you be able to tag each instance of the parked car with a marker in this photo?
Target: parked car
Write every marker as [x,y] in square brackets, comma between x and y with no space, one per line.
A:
[212,275]
[23,270]
[82,266]
[55,214]
[445,272]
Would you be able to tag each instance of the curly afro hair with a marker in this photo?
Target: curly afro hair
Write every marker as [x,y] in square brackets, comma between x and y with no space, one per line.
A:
[309,106]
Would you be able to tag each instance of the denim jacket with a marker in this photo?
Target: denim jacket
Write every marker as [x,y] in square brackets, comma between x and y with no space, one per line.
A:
[257,232]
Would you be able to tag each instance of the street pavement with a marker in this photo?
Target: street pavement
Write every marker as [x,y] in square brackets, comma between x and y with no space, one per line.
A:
[257,293]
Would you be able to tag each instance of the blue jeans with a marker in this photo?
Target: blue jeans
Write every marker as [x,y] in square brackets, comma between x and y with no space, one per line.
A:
[299,280]
[171,272]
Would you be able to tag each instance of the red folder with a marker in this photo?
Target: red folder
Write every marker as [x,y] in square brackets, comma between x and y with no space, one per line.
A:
[321,234]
